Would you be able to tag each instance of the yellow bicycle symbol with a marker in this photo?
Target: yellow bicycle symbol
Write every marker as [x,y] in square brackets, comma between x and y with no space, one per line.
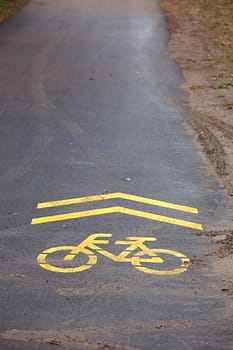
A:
[140,255]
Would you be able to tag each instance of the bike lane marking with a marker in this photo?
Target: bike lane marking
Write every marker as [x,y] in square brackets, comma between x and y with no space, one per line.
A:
[89,247]
[117,209]
[116,195]
[113,210]
[137,253]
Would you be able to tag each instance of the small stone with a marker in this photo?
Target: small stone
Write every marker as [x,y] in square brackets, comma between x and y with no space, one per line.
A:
[127,179]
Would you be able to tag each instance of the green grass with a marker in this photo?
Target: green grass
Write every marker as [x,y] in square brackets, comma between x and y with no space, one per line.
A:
[3,3]
[226,85]
[10,7]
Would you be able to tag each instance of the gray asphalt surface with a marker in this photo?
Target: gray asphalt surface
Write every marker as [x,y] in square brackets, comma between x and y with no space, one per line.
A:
[90,103]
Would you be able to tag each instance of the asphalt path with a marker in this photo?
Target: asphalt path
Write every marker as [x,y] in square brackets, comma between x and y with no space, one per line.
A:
[91,110]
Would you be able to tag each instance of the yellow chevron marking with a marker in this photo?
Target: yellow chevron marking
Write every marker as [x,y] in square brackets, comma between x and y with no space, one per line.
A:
[112,210]
[120,195]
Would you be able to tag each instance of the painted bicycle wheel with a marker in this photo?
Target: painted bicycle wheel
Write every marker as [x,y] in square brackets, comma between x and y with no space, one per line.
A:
[42,260]
[139,262]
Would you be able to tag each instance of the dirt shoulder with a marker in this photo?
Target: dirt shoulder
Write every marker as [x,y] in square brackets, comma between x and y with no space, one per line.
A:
[201,42]
[10,7]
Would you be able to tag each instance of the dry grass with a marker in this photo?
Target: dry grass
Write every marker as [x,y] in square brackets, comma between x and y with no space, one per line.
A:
[202,44]
[217,17]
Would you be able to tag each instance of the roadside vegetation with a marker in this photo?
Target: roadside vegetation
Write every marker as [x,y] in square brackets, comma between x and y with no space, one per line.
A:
[201,42]
[217,17]
[10,7]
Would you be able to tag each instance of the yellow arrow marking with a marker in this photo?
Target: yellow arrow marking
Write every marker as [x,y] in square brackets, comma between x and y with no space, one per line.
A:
[111,210]
[114,196]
